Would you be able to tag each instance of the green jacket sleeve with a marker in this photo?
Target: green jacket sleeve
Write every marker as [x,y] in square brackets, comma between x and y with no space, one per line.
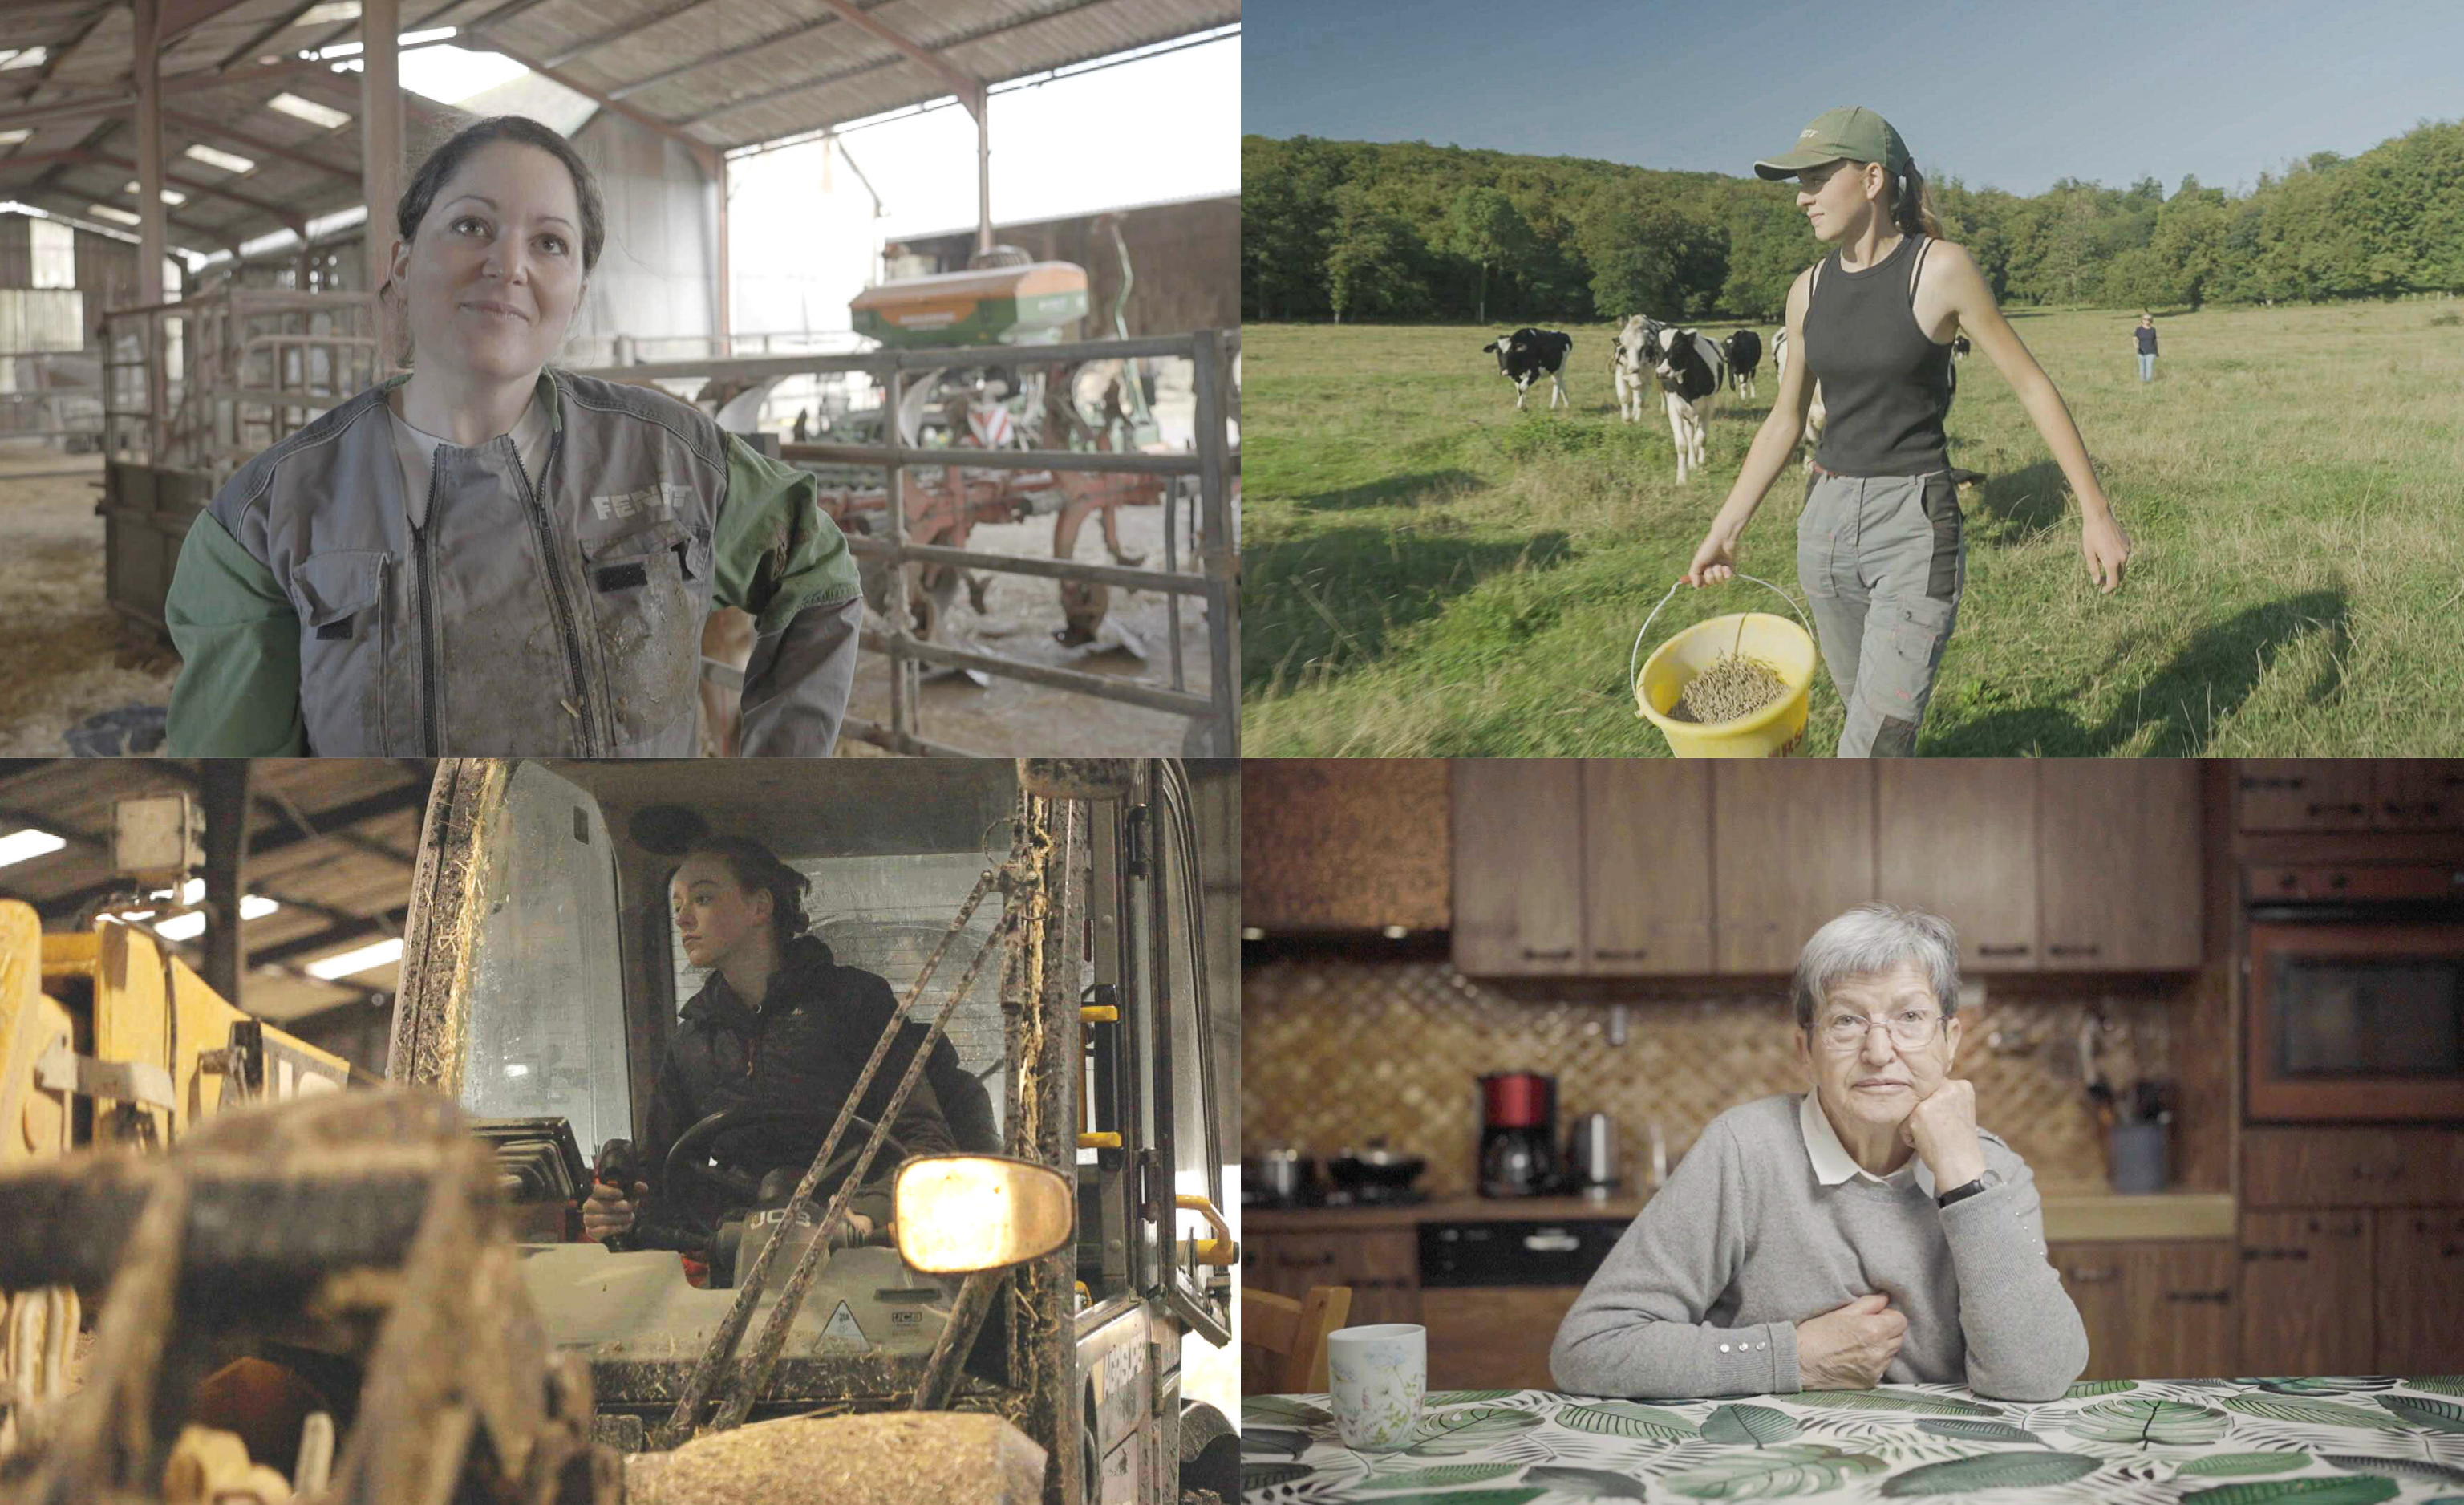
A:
[238,638]
[779,558]
[776,554]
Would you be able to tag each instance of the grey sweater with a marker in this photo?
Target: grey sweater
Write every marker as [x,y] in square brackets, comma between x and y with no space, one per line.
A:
[1702,1295]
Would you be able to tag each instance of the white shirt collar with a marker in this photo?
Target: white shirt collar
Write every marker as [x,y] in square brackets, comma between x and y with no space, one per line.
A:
[1833,1165]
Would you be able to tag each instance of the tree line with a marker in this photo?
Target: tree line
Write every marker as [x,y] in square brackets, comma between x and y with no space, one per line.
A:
[1357,230]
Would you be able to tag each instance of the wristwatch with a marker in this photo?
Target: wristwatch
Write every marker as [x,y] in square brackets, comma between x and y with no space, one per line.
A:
[1984,1182]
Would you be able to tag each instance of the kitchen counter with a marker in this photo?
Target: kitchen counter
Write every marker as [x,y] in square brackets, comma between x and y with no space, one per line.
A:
[2072,1215]
[1441,1210]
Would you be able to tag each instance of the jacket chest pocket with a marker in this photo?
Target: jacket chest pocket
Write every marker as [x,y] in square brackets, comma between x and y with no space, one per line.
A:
[345,633]
[649,591]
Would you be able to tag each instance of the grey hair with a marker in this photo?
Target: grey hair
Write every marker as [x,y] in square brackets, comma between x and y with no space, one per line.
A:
[1872,939]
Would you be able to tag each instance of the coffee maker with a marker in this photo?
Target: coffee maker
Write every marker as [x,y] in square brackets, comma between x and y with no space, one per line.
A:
[1518,1135]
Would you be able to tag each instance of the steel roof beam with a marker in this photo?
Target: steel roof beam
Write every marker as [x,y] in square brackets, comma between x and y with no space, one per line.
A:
[605,38]
[630,112]
[258,143]
[56,111]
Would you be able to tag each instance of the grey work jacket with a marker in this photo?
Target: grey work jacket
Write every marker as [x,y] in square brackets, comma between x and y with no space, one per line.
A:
[317,608]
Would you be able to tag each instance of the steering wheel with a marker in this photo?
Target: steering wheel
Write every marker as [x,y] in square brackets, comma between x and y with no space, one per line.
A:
[688,1158]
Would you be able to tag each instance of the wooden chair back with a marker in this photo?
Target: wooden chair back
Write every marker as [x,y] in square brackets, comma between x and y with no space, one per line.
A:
[1290,1336]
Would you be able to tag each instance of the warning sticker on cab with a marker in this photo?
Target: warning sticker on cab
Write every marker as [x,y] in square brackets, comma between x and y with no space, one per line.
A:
[842,1327]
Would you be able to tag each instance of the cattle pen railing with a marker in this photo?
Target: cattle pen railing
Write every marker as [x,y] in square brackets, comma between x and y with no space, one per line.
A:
[1212,463]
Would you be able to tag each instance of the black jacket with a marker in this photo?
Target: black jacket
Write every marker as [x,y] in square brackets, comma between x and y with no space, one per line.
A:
[801,1048]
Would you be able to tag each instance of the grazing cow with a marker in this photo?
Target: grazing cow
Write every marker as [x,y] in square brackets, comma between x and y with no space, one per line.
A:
[1626,362]
[1691,373]
[1526,355]
[1814,412]
[1959,347]
[1743,350]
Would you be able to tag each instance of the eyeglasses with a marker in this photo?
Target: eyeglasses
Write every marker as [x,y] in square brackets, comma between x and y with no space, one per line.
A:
[1845,1032]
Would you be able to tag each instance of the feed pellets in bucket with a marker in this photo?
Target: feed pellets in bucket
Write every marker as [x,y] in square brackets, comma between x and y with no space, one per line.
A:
[1736,686]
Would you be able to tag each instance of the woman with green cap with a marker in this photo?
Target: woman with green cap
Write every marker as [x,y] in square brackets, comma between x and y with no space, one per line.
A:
[1880,549]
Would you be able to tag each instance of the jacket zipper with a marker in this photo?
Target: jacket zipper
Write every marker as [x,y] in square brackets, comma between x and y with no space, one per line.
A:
[431,744]
[556,590]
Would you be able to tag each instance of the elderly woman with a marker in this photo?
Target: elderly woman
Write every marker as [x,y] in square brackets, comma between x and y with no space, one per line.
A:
[1867,1230]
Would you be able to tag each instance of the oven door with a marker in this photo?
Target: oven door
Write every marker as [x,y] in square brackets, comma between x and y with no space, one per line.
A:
[2356,1021]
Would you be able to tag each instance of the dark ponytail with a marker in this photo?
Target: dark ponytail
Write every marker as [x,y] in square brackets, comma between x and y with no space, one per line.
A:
[1913,208]
[757,870]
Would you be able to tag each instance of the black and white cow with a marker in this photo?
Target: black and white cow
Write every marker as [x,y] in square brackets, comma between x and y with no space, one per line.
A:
[1692,372]
[1813,410]
[1527,354]
[1743,350]
[1628,363]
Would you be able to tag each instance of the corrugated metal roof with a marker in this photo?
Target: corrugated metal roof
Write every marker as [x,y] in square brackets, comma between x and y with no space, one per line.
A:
[332,840]
[720,72]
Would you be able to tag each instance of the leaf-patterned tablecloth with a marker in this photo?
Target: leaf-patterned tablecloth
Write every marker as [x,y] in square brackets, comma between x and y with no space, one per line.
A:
[2306,1441]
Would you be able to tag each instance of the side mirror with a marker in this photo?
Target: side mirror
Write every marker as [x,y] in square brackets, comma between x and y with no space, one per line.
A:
[957,1214]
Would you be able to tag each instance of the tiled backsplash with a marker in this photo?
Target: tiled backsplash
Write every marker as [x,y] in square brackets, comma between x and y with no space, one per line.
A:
[1334,1052]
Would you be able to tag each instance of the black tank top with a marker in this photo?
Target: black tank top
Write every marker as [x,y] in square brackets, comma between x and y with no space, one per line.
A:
[1886,385]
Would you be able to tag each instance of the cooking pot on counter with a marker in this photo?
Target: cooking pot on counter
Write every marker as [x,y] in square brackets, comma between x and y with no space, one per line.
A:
[1377,1172]
[1279,1176]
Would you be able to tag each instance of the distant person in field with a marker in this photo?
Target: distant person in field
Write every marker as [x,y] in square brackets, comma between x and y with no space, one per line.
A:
[1879,546]
[2146,335]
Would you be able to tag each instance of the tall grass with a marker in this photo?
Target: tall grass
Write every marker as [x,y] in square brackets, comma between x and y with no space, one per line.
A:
[1428,572]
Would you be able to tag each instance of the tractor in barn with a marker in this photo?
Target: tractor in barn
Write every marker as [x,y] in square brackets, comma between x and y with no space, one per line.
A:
[402,1272]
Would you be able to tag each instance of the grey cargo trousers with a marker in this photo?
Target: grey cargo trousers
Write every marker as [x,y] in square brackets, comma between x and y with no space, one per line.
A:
[1881,563]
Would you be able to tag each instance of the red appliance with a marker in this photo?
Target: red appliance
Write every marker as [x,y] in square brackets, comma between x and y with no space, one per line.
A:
[1518,1135]
[2355,977]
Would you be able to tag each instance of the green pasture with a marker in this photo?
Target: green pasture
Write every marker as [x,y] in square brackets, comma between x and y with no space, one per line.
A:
[1428,572]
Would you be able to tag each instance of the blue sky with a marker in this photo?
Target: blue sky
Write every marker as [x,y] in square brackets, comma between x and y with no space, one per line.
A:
[2010,95]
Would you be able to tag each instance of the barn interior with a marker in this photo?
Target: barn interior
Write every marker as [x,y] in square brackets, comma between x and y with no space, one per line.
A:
[297,898]
[186,276]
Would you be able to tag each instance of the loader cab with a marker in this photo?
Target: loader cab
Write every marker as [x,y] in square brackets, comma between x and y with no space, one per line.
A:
[544,980]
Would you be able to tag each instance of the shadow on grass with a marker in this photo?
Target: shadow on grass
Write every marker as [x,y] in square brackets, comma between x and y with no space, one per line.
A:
[2014,505]
[1330,600]
[1390,491]
[2205,683]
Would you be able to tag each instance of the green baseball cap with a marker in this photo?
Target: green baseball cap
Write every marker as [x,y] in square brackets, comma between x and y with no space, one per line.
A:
[1851,132]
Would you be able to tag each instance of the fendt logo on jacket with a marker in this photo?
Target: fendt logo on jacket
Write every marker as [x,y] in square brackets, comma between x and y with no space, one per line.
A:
[657,497]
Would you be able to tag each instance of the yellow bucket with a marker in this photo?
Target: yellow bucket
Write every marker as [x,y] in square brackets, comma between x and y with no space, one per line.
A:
[1772,732]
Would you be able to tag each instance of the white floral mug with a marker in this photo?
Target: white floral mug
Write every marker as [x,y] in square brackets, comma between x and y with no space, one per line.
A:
[1380,1374]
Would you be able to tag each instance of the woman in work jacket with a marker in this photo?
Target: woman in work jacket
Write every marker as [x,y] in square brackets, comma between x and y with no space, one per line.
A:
[1879,548]
[492,556]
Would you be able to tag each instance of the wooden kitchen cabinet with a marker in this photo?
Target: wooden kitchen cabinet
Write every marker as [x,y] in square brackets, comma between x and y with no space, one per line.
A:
[2417,794]
[2186,1301]
[2419,1261]
[2331,794]
[2335,1166]
[1381,1265]
[1796,848]
[2094,1277]
[1958,836]
[2302,793]
[1332,845]
[1493,1338]
[2159,1311]
[2117,864]
[1518,829]
[2308,1304]
[1646,866]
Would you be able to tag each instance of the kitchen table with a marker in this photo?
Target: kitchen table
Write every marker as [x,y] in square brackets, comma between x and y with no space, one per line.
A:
[2315,1441]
